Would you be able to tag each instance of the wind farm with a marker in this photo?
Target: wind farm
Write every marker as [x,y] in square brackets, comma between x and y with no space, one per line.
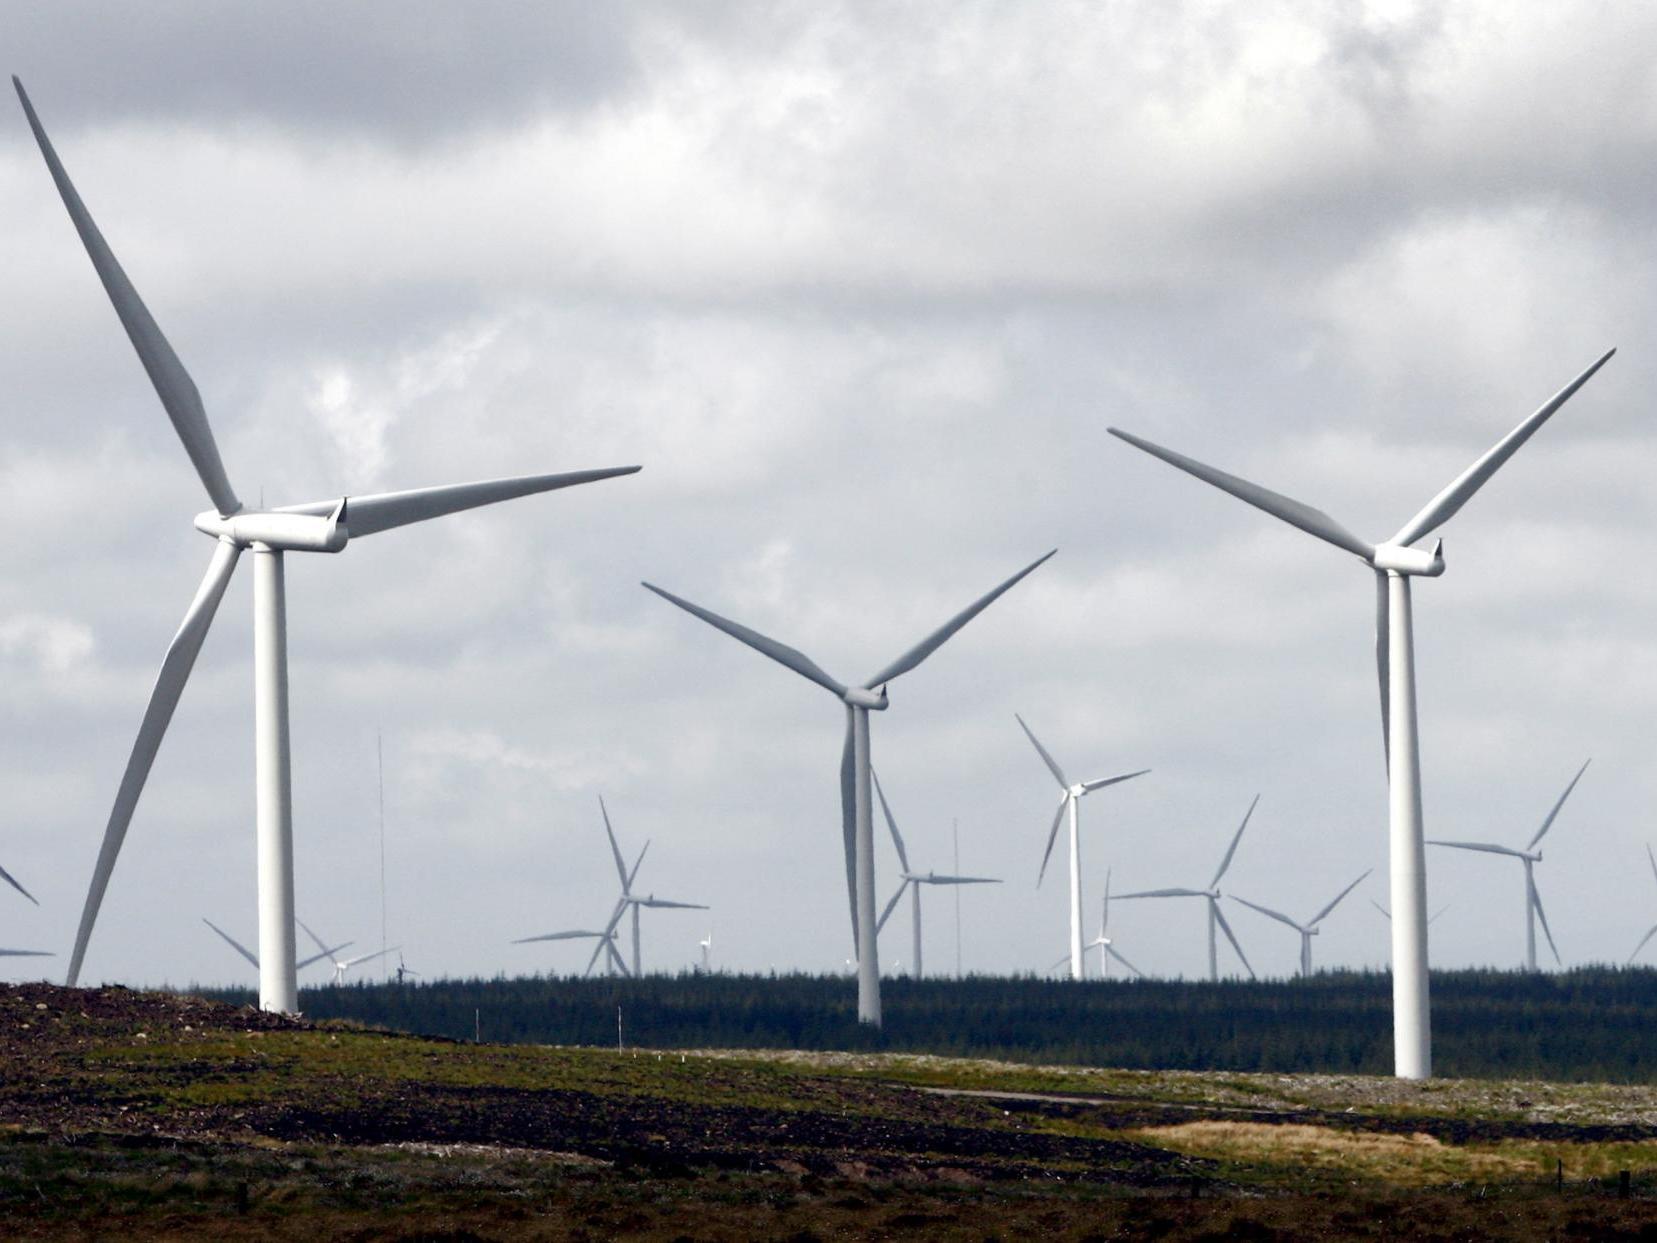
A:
[876,309]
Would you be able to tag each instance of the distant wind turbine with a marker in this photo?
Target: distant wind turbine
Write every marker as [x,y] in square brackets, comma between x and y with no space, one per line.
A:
[706,943]
[856,819]
[1394,563]
[628,902]
[1102,942]
[342,965]
[1212,896]
[1530,857]
[318,526]
[403,970]
[1653,930]
[1069,801]
[912,881]
[4,953]
[252,958]
[1309,929]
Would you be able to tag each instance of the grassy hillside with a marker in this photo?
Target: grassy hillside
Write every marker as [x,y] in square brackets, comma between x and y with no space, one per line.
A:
[152,1115]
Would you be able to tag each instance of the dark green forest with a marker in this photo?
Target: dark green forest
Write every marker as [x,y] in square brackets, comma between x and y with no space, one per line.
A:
[1584,1024]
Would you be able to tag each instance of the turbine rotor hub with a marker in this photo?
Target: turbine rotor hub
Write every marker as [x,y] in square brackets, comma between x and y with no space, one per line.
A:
[862,697]
[1402,559]
[277,531]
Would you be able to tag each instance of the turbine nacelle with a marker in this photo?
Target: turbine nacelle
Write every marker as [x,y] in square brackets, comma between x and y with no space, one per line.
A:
[862,697]
[282,532]
[1401,559]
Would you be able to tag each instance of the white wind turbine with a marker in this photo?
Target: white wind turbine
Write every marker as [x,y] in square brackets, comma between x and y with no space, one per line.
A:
[1394,562]
[1212,896]
[706,944]
[1530,857]
[856,820]
[318,526]
[1069,801]
[629,901]
[1652,931]
[4,953]
[1309,929]
[254,959]
[912,881]
[1102,942]
[342,965]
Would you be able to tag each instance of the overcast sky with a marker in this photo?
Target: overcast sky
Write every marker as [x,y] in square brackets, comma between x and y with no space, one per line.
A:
[861,286]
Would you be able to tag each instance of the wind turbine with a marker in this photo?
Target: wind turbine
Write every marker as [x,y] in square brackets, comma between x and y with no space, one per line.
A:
[856,821]
[606,940]
[1212,895]
[912,881]
[1307,930]
[1069,801]
[629,901]
[1102,942]
[1653,930]
[1530,857]
[4,953]
[1394,563]
[706,944]
[402,969]
[317,526]
[342,965]
[253,958]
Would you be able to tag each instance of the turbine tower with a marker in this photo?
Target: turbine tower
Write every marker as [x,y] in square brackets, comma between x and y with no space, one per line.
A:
[1394,563]
[1653,929]
[317,526]
[342,965]
[253,958]
[1212,895]
[1069,801]
[856,821]
[1530,857]
[629,901]
[1309,929]
[912,881]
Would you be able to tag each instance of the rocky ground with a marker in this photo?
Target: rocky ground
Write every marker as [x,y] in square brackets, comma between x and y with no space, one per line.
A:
[153,1115]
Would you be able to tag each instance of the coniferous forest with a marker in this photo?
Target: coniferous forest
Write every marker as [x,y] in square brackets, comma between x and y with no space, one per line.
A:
[1595,1023]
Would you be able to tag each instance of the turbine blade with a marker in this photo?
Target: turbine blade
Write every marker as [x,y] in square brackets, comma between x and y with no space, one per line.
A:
[320,943]
[892,905]
[1536,901]
[1236,837]
[234,943]
[1649,934]
[598,948]
[572,935]
[934,879]
[13,882]
[1386,912]
[1548,823]
[169,685]
[1443,507]
[172,382]
[665,904]
[383,511]
[361,958]
[1433,918]
[1487,847]
[1052,764]
[1163,893]
[627,881]
[326,953]
[790,657]
[1052,836]
[615,850]
[1231,936]
[1653,859]
[848,817]
[1383,662]
[1111,950]
[1088,787]
[1323,914]
[903,664]
[27,954]
[1312,521]
[1104,909]
[897,838]
[615,957]
[615,917]
[1061,962]
[1277,915]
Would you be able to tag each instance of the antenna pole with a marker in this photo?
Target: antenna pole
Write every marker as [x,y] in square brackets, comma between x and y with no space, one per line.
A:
[379,756]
